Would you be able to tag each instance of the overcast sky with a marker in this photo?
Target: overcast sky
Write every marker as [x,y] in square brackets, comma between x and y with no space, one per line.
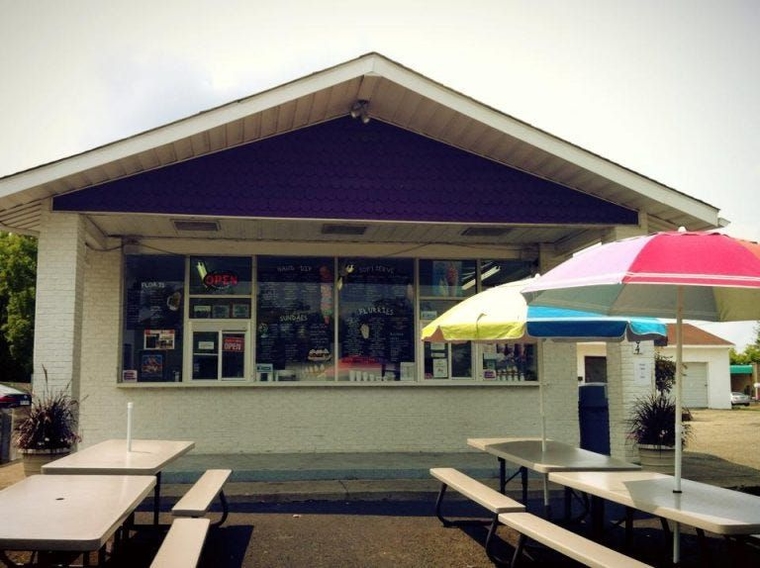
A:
[668,88]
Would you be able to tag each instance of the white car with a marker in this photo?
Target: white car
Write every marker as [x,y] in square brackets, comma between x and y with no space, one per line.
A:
[739,399]
[10,397]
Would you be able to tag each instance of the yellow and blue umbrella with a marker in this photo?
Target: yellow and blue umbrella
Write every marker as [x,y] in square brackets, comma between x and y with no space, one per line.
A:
[502,314]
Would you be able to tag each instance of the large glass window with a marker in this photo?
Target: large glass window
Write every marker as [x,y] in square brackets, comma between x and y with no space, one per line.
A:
[153,318]
[277,318]
[376,332]
[448,278]
[295,318]
[220,287]
[444,360]
[444,283]
[509,361]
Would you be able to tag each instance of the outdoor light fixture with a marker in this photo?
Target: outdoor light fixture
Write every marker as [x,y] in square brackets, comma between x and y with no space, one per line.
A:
[360,110]
[130,245]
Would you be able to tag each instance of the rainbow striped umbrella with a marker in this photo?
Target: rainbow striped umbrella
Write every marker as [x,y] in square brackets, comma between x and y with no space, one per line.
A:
[693,275]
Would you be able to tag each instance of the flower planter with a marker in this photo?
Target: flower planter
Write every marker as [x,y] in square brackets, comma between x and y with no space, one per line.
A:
[33,460]
[658,458]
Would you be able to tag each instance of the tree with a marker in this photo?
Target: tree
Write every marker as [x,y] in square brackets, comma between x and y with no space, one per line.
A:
[664,373]
[751,353]
[18,274]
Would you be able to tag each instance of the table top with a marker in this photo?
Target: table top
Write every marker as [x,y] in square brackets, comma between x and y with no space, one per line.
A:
[68,512]
[527,452]
[147,457]
[711,508]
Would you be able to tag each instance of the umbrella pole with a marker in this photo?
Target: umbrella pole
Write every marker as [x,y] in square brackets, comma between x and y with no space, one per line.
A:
[678,416]
[679,389]
[541,387]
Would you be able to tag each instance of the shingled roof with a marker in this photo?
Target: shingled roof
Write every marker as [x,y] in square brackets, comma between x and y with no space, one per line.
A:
[695,336]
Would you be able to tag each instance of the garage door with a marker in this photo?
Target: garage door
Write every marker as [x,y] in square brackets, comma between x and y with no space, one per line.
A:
[695,385]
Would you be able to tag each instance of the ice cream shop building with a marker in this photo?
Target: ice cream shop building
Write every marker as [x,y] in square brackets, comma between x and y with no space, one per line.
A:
[255,277]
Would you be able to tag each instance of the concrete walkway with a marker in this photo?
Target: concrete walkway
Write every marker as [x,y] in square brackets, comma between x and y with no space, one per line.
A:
[373,475]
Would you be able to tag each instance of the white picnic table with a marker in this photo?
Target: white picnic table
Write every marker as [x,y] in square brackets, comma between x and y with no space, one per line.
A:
[531,453]
[68,513]
[111,457]
[705,507]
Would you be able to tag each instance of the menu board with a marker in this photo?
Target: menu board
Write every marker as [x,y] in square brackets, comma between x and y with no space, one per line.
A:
[154,303]
[377,311]
[295,318]
[153,317]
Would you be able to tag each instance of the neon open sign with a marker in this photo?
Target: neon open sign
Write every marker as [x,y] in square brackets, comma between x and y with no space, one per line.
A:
[220,279]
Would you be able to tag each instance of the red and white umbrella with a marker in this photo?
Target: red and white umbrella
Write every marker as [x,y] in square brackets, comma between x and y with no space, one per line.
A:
[694,275]
[719,276]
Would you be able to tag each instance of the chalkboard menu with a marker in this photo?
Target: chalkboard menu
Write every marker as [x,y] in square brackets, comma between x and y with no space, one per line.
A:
[154,304]
[376,302]
[295,316]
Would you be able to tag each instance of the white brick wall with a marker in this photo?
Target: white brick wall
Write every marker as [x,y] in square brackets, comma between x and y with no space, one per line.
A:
[305,419]
[268,418]
[231,418]
[101,350]
[60,277]
[561,391]
[623,387]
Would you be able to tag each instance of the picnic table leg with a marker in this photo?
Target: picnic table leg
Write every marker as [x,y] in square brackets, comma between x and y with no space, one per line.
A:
[704,548]
[156,498]
[502,475]
[439,501]
[629,528]
[597,517]
[524,476]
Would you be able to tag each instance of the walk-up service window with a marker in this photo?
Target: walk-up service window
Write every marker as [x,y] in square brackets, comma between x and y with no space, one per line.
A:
[267,319]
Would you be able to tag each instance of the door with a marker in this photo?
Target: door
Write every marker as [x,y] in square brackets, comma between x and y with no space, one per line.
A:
[220,351]
[695,385]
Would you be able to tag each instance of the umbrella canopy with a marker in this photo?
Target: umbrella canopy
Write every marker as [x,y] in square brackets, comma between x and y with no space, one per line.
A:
[694,275]
[502,314]
[719,277]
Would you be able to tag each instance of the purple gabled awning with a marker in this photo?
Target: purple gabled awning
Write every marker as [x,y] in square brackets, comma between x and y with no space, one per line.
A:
[344,169]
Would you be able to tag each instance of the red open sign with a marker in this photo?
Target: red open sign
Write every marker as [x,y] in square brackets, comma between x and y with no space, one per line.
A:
[220,279]
[233,343]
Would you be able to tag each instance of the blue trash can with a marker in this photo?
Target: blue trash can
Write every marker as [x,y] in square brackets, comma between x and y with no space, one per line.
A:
[594,417]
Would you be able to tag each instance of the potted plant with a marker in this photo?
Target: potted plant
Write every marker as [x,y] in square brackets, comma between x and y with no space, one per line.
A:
[652,426]
[50,428]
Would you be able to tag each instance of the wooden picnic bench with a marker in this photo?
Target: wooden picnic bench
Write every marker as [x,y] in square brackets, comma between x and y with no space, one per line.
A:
[182,545]
[511,513]
[566,542]
[197,501]
[483,495]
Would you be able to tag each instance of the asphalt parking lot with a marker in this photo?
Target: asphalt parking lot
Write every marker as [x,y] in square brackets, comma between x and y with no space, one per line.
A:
[390,523]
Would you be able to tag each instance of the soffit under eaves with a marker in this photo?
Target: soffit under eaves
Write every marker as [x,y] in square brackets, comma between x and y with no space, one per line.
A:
[396,96]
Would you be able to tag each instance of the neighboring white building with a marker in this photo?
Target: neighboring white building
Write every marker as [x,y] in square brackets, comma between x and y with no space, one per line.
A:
[707,380]
[255,277]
